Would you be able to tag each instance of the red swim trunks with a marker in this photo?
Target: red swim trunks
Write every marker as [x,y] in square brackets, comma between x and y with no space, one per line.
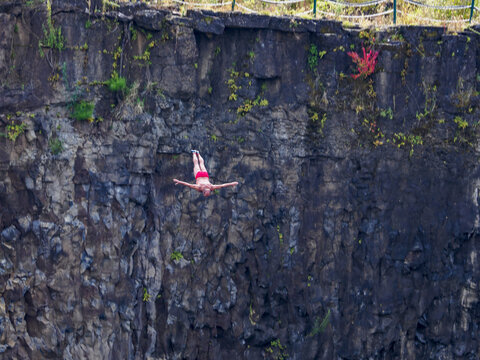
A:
[201,174]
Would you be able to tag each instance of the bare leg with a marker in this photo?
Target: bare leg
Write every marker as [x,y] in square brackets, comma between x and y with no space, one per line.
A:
[202,163]
[196,167]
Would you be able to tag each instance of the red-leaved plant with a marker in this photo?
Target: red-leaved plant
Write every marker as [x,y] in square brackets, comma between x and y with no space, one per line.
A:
[365,65]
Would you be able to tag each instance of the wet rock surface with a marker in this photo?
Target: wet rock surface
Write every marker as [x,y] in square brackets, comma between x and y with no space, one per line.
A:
[353,233]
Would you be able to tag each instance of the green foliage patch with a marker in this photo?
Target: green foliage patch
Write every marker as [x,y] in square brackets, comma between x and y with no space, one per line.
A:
[52,36]
[176,255]
[146,295]
[116,83]
[83,110]
[231,82]
[248,105]
[144,59]
[313,58]
[400,139]
[277,350]
[14,130]
[55,145]
[462,124]
[320,326]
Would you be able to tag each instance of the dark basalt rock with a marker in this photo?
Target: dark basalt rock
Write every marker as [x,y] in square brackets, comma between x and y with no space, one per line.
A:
[354,231]
[207,22]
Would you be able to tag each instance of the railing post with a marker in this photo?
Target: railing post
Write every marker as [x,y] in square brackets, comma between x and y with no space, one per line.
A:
[471,10]
[395,12]
[233,5]
[315,8]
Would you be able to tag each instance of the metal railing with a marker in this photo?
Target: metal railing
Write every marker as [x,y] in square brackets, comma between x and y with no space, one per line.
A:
[392,7]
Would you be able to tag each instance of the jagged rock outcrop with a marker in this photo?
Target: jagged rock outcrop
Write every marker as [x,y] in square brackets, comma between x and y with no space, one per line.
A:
[353,233]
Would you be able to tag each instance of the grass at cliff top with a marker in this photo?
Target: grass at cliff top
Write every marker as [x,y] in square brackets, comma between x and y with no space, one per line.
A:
[408,14]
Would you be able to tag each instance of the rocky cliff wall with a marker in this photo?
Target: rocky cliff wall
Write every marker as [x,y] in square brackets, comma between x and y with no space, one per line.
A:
[353,233]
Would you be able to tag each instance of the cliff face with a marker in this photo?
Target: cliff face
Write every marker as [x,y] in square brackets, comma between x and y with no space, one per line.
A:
[353,233]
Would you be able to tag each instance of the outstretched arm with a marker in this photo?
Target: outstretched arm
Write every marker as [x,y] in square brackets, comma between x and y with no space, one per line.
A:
[225,185]
[193,186]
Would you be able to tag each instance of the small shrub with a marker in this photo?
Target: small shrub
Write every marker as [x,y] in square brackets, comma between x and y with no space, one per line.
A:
[83,110]
[387,113]
[231,83]
[365,64]
[176,255]
[146,295]
[140,103]
[280,235]
[313,58]
[116,83]
[133,34]
[55,145]
[277,350]
[144,59]
[53,37]
[242,110]
[15,130]
[462,124]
